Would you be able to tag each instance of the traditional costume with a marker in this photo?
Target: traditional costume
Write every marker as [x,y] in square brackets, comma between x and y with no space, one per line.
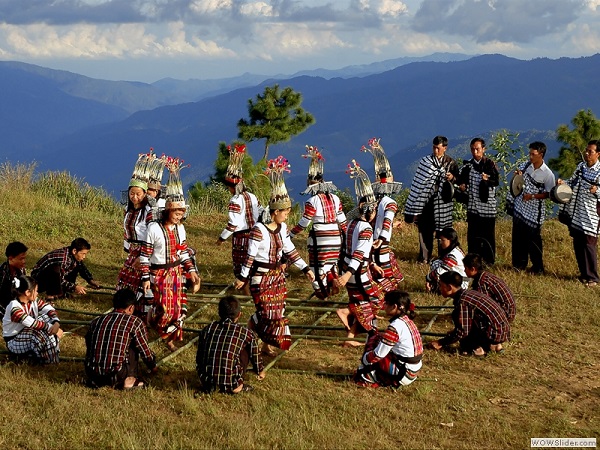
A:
[135,225]
[156,168]
[324,210]
[244,209]
[6,282]
[452,260]
[26,330]
[364,296]
[262,265]
[478,321]
[497,289]
[56,272]
[393,358]
[164,258]
[387,207]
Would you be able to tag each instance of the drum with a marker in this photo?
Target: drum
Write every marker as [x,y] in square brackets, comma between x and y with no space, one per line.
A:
[516,185]
[561,193]
[447,192]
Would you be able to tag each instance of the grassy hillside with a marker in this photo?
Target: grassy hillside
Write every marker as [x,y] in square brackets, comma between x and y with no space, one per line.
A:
[545,385]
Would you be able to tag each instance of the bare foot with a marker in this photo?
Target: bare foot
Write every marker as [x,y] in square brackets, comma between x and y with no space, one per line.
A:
[352,344]
[171,346]
[343,314]
[268,350]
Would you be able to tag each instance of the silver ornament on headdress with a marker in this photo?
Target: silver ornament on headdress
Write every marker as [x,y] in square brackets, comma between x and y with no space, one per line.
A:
[314,182]
[156,167]
[384,183]
[362,184]
[175,198]
[280,198]
[140,175]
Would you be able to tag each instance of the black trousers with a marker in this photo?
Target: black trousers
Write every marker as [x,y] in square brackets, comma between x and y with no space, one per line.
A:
[586,253]
[130,368]
[49,280]
[526,244]
[426,227]
[481,237]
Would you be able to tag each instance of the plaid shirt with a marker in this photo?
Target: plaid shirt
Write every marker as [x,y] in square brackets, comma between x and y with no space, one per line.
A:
[64,258]
[474,309]
[108,341]
[471,175]
[218,357]
[497,289]
[537,181]
[6,278]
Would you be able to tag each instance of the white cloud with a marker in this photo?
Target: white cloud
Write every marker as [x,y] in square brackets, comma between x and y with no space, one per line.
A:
[594,5]
[583,39]
[391,8]
[210,6]
[259,9]
[293,39]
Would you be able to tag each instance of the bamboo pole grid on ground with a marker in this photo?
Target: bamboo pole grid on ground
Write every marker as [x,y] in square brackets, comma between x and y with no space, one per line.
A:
[292,304]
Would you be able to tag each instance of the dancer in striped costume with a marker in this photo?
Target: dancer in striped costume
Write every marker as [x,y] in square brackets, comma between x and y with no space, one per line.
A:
[364,295]
[164,259]
[135,224]
[393,358]
[425,205]
[387,207]
[262,266]
[324,210]
[244,209]
[583,210]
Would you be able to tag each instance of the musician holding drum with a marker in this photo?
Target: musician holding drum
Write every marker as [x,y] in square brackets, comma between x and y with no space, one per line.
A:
[529,210]
[583,210]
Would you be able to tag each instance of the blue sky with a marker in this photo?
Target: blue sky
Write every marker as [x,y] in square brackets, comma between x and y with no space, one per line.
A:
[146,40]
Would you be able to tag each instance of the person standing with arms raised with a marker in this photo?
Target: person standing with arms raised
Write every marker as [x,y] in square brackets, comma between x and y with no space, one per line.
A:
[426,206]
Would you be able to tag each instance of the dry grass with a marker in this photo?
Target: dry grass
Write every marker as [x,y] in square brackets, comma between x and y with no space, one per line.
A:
[546,384]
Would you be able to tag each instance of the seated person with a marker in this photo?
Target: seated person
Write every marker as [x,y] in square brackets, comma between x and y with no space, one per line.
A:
[393,358]
[14,267]
[114,343]
[30,326]
[56,272]
[224,350]
[490,285]
[450,258]
[480,324]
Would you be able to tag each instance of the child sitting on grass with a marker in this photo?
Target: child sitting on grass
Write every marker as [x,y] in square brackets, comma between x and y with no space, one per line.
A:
[224,350]
[393,358]
[30,326]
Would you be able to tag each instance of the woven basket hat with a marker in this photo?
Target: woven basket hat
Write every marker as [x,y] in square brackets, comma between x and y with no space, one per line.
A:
[174,198]
[156,168]
[139,178]
[362,185]
[233,176]
[280,198]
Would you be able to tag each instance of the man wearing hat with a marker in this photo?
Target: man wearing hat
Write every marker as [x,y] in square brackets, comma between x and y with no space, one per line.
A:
[324,210]
[530,210]
[583,210]
[479,178]
[426,206]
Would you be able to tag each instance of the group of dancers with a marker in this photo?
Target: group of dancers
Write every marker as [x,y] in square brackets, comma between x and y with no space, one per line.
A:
[351,251]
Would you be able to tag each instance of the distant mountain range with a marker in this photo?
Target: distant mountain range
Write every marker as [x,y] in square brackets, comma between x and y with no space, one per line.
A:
[74,123]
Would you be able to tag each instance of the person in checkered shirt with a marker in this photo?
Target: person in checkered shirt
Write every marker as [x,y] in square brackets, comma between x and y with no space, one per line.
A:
[491,285]
[114,342]
[480,324]
[225,349]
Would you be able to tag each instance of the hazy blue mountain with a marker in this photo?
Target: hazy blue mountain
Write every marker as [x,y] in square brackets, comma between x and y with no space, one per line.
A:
[405,107]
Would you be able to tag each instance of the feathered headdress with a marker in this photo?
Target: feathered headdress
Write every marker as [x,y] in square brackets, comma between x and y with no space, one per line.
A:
[362,184]
[233,176]
[139,178]
[280,198]
[175,198]
[156,167]
[314,182]
[384,183]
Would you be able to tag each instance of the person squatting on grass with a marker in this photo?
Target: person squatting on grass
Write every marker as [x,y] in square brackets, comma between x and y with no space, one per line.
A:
[114,342]
[56,272]
[480,324]
[491,285]
[450,258]
[262,267]
[14,267]
[356,271]
[393,358]
[31,326]
[224,350]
